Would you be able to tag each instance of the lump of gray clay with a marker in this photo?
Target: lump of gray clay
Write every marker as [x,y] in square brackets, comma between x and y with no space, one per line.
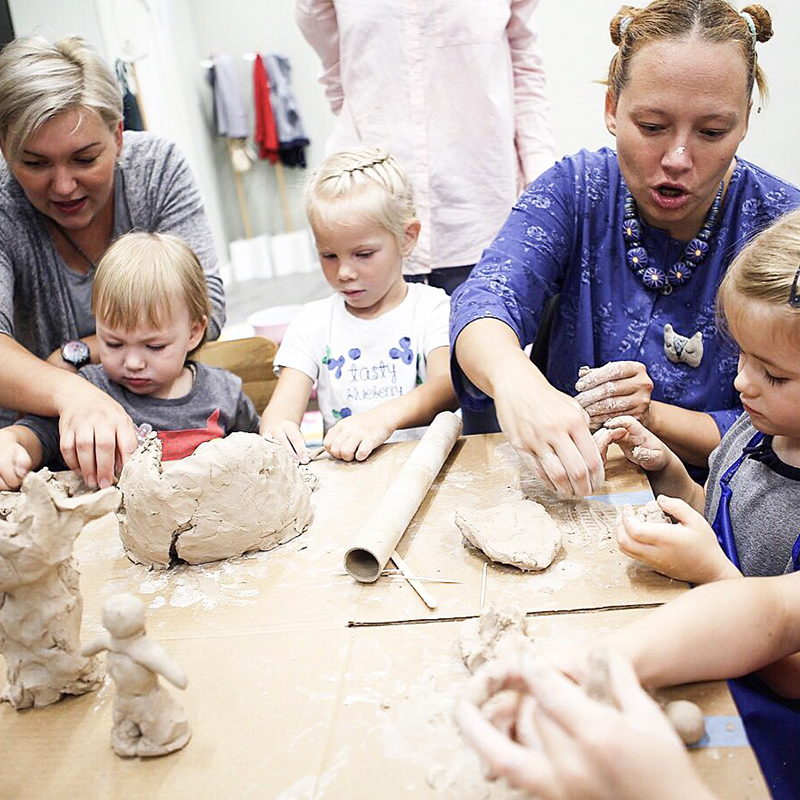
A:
[520,533]
[230,497]
[651,512]
[497,633]
[687,719]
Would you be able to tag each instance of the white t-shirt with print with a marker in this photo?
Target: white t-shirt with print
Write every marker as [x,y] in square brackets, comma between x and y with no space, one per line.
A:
[360,363]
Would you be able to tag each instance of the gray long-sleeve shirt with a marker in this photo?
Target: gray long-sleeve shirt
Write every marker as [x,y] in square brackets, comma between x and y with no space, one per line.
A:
[153,191]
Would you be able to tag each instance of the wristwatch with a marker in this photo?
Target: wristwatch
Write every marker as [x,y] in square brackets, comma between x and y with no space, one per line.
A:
[76,353]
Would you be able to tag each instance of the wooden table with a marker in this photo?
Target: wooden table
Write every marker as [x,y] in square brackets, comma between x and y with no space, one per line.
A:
[305,684]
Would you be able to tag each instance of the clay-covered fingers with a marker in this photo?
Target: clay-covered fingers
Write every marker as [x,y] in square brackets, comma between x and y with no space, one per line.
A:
[290,437]
[634,701]
[639,445]
[521,766]
[96,435]
[15,464]
[682,512]
[356,437]
[604,437]
[612,372]
[615,388]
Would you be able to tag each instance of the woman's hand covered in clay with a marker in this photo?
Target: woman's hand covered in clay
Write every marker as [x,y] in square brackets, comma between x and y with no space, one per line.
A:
[288,434]
[551,432]
[585,749]
[619,387]
[355,437]
[97,435]
[639,445]
[15,464]
[687,551]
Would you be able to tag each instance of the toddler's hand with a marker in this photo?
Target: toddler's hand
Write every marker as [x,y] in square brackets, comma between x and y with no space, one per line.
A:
[639,445]
[15,464]
[288,435]
[357,436]
[688,551]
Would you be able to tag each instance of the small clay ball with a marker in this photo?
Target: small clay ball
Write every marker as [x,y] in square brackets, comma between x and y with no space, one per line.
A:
[687,719]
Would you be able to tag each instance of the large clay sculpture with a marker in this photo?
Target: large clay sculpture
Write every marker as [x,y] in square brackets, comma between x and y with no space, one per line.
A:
[40,604]
[231,496]
[148,721]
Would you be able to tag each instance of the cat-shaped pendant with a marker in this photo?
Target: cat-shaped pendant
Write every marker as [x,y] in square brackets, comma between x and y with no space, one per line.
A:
[681,349]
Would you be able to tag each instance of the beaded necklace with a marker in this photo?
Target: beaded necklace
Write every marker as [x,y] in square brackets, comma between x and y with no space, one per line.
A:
[678,274]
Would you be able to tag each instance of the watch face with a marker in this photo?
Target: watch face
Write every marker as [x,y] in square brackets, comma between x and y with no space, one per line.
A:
[76,353]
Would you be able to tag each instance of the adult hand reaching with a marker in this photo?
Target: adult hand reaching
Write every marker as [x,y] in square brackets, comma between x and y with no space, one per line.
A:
[553,430]
[97,435]
[619,387]
[586,750]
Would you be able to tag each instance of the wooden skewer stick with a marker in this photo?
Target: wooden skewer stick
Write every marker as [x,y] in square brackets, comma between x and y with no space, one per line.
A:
[415,584]
[315,454]
[483,583]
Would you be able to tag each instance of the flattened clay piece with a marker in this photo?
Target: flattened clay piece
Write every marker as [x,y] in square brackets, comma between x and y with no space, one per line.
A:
[231,496]
[520,533]
[148,721]
[651,512]
[498,632]
[687,719]
[40,602]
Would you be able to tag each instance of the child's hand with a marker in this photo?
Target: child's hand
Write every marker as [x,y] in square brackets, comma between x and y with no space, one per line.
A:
[688,551]
[603,437]
[288,435]
[15,464]
[639,445]
[357,436]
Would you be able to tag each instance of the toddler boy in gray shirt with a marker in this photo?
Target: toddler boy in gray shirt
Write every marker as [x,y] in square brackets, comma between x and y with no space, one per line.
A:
[152,309]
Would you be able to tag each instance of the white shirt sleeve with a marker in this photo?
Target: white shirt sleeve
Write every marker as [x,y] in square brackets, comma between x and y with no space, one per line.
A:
[437,320]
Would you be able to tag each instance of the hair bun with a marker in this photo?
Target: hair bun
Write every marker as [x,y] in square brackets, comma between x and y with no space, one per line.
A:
[762,20]
[616,29]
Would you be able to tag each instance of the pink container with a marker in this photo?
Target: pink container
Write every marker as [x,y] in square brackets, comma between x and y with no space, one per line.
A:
[273,322]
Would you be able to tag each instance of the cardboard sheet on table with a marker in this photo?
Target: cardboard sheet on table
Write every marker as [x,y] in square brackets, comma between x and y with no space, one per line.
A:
[482,471]
[395,722]
[260,706]
[329,712]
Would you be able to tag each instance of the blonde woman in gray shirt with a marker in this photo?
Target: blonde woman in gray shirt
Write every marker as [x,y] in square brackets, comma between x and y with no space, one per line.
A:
[70,183]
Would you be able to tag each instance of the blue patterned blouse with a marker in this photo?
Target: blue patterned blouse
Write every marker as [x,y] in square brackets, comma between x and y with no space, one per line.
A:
[565,235]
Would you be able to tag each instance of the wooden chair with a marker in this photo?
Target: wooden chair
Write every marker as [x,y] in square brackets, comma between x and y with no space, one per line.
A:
[251,359]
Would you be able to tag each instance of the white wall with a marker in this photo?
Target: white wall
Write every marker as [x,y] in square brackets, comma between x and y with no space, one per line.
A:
[577,48]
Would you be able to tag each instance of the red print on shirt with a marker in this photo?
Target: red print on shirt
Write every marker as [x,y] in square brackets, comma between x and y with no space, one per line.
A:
[179,444]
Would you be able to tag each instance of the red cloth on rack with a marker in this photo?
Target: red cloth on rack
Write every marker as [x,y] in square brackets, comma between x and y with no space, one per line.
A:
[266,135]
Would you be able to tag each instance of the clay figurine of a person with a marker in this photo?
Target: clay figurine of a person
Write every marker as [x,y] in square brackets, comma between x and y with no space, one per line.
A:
[40,602]
[147,719]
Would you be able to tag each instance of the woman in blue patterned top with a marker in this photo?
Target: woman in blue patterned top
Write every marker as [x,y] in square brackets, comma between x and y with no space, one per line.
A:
[636,242]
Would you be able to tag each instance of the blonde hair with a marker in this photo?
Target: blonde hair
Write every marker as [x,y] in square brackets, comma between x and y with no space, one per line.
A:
[366,183]
[708,20]
[39,80]
[142,275]
[765,271]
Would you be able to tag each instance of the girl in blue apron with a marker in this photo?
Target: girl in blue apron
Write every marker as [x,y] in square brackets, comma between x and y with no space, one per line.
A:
[752,498]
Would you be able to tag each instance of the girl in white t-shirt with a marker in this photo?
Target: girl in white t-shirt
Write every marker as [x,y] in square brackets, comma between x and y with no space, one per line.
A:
[378,349]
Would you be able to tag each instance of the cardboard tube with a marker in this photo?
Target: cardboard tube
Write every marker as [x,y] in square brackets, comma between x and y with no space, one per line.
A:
[388,522]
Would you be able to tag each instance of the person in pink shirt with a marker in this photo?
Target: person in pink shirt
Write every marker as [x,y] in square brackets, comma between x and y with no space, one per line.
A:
[457,92]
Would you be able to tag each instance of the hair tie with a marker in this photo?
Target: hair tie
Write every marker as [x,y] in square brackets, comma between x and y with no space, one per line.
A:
[751,23]
[624,25]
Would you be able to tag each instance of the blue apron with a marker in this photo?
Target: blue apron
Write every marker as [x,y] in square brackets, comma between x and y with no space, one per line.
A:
[772,722]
